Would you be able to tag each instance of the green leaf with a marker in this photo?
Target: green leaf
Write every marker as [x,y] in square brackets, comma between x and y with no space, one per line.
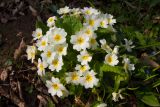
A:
[72,89]
[156,68]
[148,98]
[150,77]
[140,38]
[50,103]
[47,76]
[41,25]
[133,88]
[140,104]
[117,83]
[157,83]
[71,24]
[155,44]
[115,69]
[106,33]
[9,62]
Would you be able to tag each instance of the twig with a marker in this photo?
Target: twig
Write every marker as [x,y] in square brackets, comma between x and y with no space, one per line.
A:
[12,97]
[19,90]
[55,99]
[5,84]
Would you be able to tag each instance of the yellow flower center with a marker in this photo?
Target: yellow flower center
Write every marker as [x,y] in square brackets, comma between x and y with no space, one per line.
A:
[39,34]
[43,43]
[41,67]
[102,23]
[55,63]
[80,40]
[83,68]
[74,76]
[88,32]
[60,49]
[57,37]
[85,57]
[55,86]
[92,41]
[89,78]
[91,22]
[88,12]
[51,19]
[109,59]
[49,53]
[109,20]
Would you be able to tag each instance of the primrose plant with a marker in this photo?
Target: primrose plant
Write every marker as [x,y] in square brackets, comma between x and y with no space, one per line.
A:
[74,49]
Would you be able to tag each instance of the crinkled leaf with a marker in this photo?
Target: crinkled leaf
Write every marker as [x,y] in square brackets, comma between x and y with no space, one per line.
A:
[114,69]
[71,24]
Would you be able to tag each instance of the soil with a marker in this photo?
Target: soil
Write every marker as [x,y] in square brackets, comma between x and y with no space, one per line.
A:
[12,31]
[12,34]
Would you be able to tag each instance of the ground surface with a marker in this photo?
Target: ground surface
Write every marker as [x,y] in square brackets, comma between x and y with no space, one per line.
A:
[12,33]
[14,28]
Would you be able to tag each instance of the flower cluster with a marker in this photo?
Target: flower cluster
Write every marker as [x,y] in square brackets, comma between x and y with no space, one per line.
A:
[52,46]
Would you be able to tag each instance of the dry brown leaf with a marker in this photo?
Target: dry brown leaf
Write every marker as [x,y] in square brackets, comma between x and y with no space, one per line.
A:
[4,75]
[20,5]
[19,34]
[78,101]
[34,11]
[42,100]
[14,11]
[18,51]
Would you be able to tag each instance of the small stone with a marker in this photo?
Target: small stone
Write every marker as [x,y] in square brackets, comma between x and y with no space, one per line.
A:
[4,20]
[2,4]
